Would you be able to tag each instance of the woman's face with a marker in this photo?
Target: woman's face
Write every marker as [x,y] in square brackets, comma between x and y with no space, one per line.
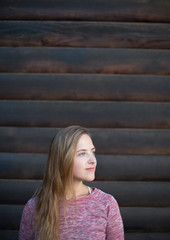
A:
[84,160]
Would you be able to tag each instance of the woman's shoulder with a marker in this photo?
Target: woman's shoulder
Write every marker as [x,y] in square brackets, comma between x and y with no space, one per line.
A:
[103,197]
[29,210]
[31,203]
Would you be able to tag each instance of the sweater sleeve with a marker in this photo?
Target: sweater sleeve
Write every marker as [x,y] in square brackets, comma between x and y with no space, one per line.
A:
[26,226]
[114,229]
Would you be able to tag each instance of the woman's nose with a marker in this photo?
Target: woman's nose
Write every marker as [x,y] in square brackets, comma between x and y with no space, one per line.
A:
[91,158]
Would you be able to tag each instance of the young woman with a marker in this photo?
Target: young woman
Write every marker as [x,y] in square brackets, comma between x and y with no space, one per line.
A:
[64,207]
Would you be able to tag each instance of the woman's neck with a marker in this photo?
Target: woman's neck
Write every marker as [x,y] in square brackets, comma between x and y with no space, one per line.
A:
[80,190]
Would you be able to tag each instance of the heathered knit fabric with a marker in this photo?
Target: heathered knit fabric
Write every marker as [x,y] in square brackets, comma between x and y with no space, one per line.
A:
[93,217]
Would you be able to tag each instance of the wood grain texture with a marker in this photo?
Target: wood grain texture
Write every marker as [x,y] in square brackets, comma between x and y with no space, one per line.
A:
[146,219]
[84,60]
[147,236]
[132,168]
[106,141]
[21,191]
[137,194]
[101,64]
[93,114]
[135,218]
[10,216]
[128,194]
[109,167]
[22,166]
[84,34]
[95,87]
[9,234]
[96,10]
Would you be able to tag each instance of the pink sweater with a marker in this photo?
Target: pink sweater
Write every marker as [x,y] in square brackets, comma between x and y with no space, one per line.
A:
[97,217]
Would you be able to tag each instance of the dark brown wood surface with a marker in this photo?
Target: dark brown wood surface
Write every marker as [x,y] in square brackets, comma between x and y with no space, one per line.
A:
[107,141]
[137,194]
[9,234]
[150,219]
[109,167]
[128,194]
[85,34]
[147,236]
[91,114]
[84,60]
[94,87]
[98,10]
[101,64]
[10,216]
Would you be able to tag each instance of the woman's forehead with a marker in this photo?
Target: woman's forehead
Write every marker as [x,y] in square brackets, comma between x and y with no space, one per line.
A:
[85,142]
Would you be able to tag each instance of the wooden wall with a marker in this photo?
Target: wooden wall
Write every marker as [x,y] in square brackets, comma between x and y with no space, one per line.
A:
[101,64]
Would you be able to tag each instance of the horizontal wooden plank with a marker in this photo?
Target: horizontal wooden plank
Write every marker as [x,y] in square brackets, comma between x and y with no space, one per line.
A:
[118,141]
[93,114]
[135,219]
[22,166]
[99,87]
[84,60]
[107,141]
[9,234]
[139,194]
[108,10]
[21,191]
[147,236]
[109,167]
[10,216]
[84,34]
[146,219]
[138,168]
[128,194]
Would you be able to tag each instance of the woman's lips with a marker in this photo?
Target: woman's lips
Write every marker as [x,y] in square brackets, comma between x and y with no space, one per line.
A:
[92,169]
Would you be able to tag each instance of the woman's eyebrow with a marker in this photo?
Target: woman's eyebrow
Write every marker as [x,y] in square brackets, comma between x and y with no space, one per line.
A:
[82,149]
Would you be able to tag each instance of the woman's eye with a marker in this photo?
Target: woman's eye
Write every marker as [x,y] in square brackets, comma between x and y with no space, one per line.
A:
[82,154]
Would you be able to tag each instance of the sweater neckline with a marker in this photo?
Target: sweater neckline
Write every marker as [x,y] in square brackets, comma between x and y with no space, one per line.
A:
[89,196]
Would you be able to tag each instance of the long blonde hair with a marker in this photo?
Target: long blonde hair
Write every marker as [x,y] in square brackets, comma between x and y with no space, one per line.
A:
[58,180]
